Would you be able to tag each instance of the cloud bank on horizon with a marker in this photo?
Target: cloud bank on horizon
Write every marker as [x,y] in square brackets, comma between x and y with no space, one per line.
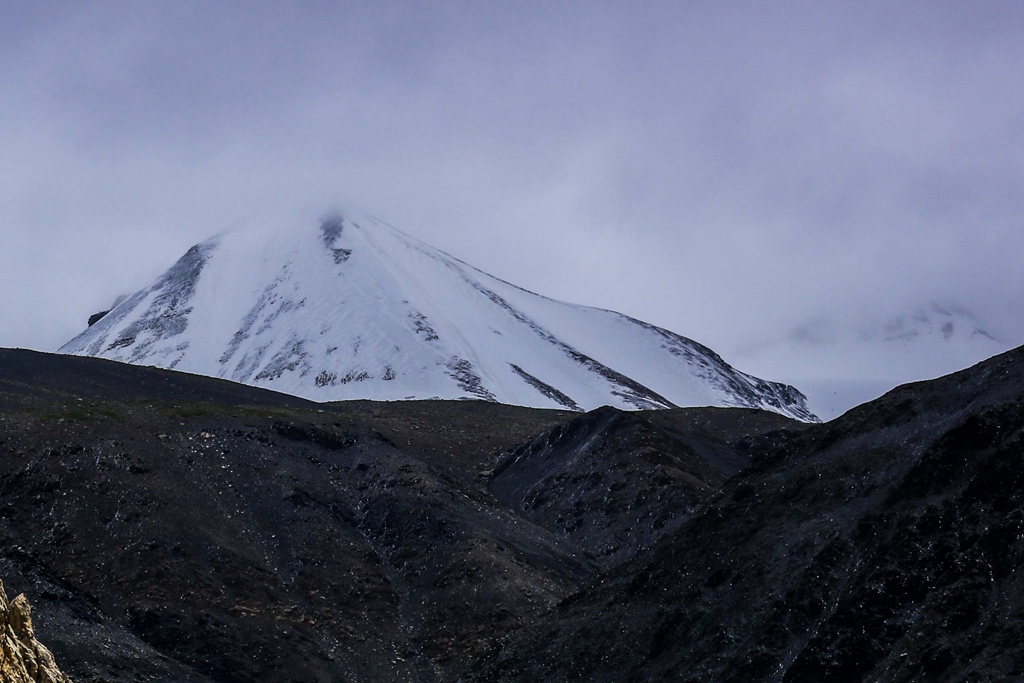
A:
[726,170]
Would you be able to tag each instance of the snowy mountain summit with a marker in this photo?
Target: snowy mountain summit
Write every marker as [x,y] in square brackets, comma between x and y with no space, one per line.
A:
[354,308]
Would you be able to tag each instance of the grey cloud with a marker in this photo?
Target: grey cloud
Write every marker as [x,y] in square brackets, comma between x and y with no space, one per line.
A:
[728,170]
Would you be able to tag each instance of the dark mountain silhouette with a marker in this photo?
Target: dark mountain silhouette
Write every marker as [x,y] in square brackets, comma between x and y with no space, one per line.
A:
[179,528]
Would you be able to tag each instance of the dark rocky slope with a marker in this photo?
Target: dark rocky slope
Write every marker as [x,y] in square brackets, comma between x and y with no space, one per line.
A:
[887,545]
[179,528]
[614,482]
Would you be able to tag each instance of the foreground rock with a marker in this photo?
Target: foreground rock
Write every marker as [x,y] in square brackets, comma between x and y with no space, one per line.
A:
[23,659]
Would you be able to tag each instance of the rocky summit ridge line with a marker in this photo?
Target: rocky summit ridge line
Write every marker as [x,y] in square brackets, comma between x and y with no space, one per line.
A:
[354,308]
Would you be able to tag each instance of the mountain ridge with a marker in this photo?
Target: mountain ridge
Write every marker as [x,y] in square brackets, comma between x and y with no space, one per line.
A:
[840,362]
[884,545]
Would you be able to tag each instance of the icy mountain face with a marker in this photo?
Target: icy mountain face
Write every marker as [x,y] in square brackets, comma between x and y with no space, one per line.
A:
[354,308]
[840,364]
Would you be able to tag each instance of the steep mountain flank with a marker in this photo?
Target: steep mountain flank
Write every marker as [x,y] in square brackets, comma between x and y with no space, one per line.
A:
[883,546]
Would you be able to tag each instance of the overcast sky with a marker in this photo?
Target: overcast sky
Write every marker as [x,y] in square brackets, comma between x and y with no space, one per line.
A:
[725,169]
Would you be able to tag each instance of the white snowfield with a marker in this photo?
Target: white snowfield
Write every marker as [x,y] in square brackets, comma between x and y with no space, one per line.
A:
[353,308]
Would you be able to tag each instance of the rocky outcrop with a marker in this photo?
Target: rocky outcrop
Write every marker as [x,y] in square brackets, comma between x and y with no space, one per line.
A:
[23,659]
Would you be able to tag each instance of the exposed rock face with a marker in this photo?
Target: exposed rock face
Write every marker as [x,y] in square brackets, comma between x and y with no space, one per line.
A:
[23,659]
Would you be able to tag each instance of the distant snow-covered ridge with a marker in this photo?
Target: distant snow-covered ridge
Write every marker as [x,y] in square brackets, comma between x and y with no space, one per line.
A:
[841,363]
[354,308]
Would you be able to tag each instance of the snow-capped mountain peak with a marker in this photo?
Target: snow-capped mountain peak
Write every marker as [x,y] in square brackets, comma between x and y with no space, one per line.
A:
[354,308]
